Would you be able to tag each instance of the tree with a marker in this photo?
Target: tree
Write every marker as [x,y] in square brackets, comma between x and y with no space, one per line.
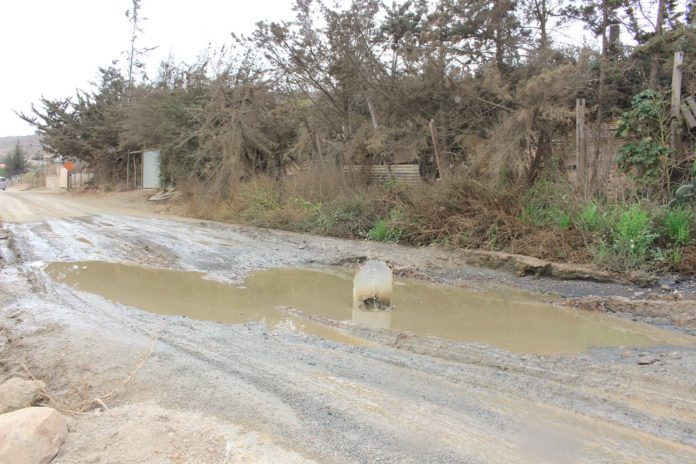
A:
[546,14]
[134,53]
[360,82]
[85,126]
[15,161]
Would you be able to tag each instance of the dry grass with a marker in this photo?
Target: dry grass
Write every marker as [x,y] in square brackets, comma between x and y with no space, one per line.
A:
[460,212]
[545,221]
[553,244]
[688,263]
[320,200]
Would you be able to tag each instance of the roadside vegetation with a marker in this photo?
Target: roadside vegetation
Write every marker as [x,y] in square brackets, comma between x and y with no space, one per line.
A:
[14,163]
[260,132]
[622,236]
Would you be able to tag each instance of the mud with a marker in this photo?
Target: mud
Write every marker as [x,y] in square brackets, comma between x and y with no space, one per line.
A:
[188,294]
[510,320]
[251,392]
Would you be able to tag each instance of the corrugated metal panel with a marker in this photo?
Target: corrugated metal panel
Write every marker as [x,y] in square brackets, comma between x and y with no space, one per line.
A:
[151,169]
[408,173]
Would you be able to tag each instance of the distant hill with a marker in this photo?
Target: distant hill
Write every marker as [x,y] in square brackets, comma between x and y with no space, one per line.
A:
[30,144]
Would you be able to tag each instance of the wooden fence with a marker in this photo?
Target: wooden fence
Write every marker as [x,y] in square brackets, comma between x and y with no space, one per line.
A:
[595,160]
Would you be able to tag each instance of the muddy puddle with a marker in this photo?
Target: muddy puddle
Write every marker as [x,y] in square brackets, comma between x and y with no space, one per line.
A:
[513,321]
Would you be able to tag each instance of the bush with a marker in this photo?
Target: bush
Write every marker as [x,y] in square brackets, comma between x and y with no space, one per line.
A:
[625,241]
[387,230]
[678,224]
[258,201]
[548,203]
[591,218]
[546,221]
[633,230]
[460,212]
[561,218]
[645,154]
[346,217]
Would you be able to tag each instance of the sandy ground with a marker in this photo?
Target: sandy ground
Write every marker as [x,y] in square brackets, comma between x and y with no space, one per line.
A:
[213,393]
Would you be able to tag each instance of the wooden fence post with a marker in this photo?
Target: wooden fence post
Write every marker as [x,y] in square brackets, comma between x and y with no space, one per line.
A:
[127,170]
[437,150]
[580,145]
[675,126]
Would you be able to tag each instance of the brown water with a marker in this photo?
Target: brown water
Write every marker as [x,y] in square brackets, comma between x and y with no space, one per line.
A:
[514,321]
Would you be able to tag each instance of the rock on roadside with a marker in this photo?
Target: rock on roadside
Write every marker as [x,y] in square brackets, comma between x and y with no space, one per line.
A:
[528,265]
[18,393]
[31,435]
[647,359]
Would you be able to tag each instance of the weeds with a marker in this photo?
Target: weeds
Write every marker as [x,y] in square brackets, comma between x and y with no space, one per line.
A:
[320,200]
[561,218]
[545,221]
[676,256]
[633,230]
[590,218]
[387,230]
[679,223]
[548,204]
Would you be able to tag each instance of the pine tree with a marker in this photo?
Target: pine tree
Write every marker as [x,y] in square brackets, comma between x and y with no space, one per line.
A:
[15,162]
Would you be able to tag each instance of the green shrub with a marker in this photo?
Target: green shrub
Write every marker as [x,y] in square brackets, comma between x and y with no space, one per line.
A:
[678,224]
[626,241]
[387,230]
[591,218]
[634,231]
[676,256]
[349,216]
[561,218]
[258,206]
[548,203]
[539,216]
[534,214]
[645,154]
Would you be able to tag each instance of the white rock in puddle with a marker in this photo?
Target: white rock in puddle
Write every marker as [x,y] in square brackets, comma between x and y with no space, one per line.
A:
[17,393]
[373,286]
[31,435]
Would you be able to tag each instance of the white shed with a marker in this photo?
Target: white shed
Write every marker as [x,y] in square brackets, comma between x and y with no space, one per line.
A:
[151,169]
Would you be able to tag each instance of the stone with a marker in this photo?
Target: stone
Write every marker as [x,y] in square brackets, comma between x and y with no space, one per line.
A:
[530,266]
[18,393]
[647,359]
[373,286]
[564,271]
[31,435]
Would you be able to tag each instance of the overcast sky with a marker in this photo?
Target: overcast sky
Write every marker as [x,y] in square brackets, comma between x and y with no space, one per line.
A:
[53,47]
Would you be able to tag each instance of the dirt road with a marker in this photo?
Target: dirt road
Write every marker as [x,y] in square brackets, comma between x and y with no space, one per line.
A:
[216,393]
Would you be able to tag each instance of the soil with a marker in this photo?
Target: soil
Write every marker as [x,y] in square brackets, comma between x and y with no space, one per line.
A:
[145,387]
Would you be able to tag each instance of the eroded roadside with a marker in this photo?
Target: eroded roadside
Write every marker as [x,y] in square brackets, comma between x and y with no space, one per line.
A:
[223,393]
